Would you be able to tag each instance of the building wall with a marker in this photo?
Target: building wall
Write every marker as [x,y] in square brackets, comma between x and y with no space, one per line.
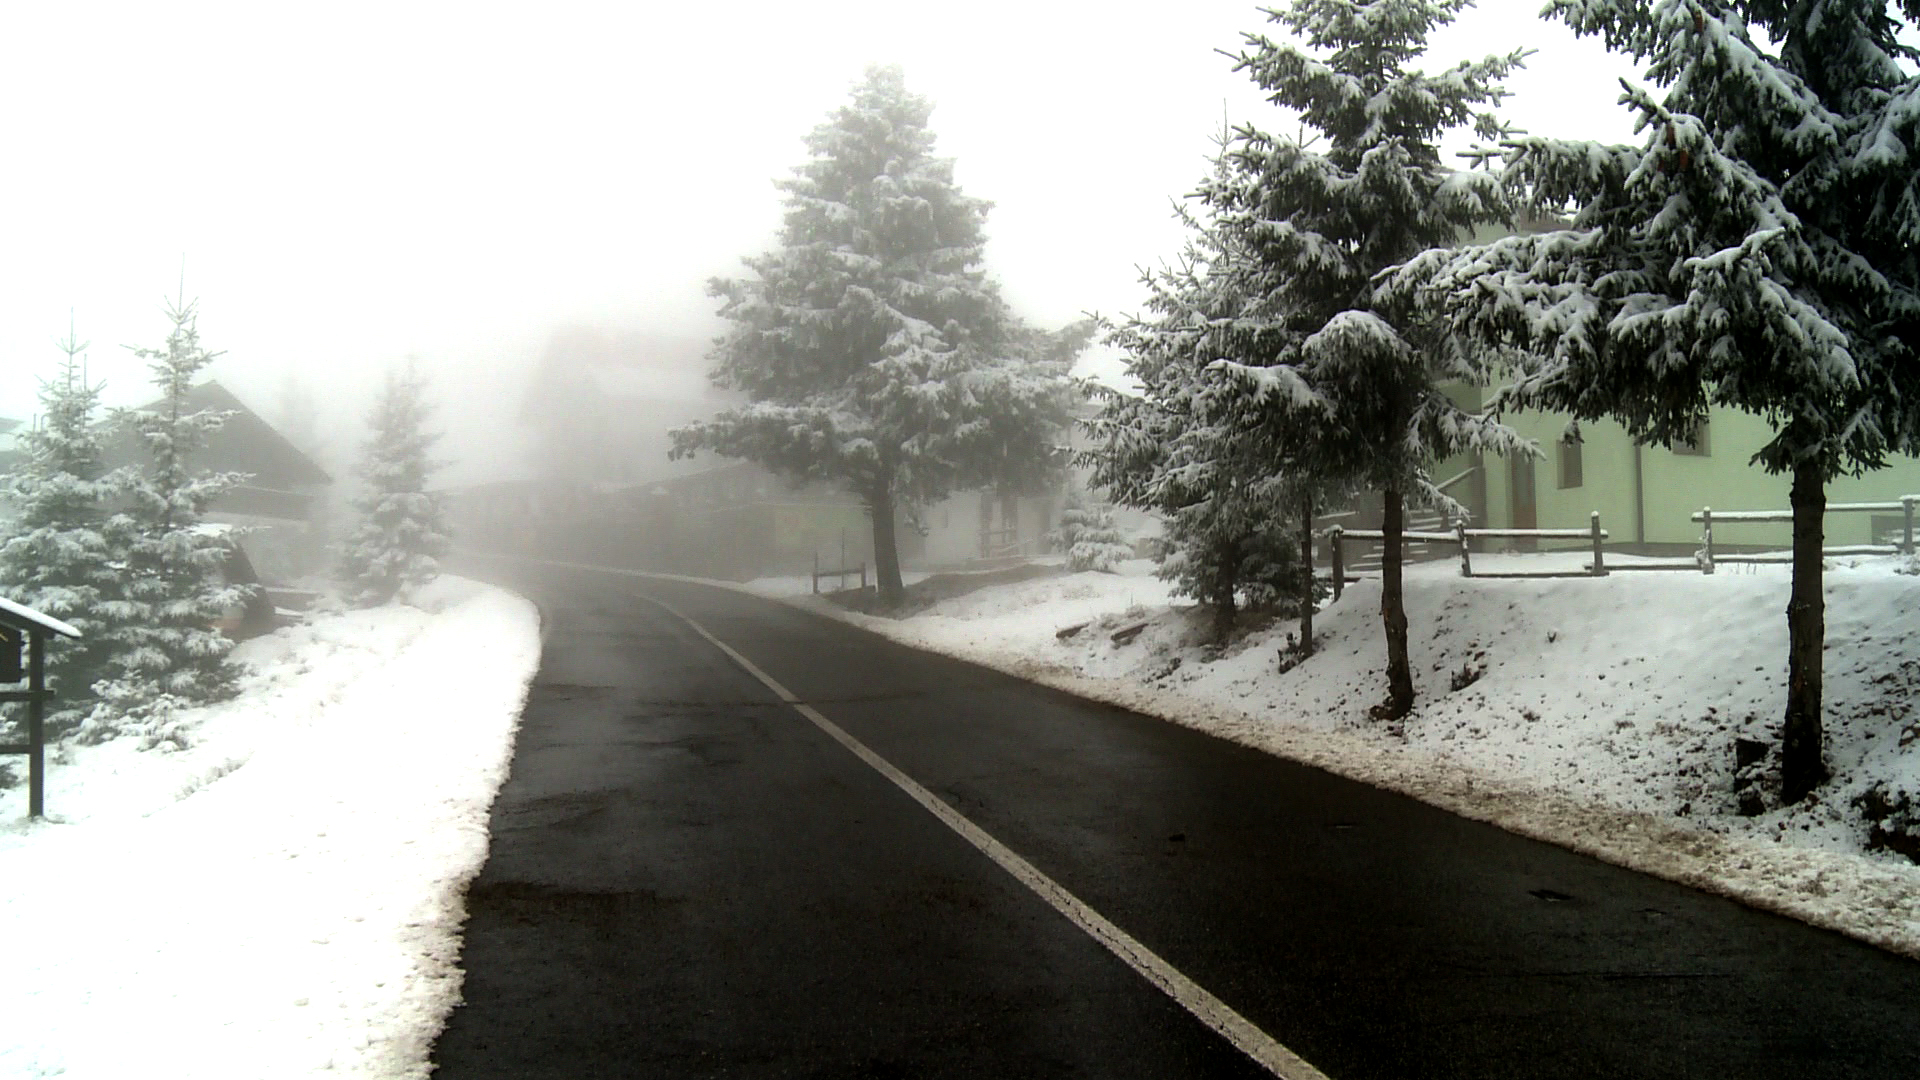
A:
[974,525]
[1678,485]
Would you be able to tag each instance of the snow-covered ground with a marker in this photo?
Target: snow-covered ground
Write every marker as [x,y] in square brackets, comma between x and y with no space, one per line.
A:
[283,897]
[1602,716]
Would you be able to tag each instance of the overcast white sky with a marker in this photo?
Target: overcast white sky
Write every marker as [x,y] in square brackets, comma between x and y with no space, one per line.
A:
[352,183]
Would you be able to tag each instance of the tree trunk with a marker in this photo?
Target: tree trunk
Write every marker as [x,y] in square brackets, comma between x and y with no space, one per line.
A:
[1226,583]
[1393,610]
[1802,767]
[886,552]
[1306,572]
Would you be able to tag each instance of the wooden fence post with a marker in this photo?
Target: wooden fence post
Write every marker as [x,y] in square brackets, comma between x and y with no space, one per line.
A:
[1339,561]
[1599,563]
[1906,541]
[816,571]
[1466,560]
[36,723]
[1706,552]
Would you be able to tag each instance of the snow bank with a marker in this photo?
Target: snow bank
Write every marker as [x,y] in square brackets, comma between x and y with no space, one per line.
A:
[282,898]
[1601,712]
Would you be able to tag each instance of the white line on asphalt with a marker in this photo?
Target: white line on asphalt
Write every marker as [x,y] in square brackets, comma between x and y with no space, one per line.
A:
[1211,1011]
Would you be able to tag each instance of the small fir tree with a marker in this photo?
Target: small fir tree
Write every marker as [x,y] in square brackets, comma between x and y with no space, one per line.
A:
[875,352]
[1759,250]
[166,649]
[1088,535]
[55,556]
[402,534]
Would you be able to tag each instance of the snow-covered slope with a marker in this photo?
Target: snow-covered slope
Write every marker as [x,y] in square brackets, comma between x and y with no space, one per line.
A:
[1601,712]
[283,897]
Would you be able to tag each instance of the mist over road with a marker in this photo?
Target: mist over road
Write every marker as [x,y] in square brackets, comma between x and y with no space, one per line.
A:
[689,878]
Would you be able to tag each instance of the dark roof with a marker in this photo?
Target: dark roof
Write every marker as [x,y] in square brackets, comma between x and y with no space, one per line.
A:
[246,443]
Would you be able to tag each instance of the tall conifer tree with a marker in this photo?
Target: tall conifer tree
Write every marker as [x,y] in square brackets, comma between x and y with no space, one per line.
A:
[1296,368]
[1759,250]
[876,353]
[402,534]
[55,556]
[167,650]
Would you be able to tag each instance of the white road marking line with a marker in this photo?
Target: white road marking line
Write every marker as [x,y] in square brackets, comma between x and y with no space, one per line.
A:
[1210,1010]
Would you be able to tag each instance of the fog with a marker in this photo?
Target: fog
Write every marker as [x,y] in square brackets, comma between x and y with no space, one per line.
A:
[346,185]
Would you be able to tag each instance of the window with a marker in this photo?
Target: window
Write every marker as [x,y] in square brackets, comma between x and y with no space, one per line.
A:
[1571,475]
[1694,443]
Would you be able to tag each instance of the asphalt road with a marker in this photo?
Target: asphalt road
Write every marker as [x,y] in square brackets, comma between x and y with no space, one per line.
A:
[690,878]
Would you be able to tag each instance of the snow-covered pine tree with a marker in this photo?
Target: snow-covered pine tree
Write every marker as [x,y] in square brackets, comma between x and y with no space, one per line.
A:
[1304,375]
[165,649]
[1172,449]
[875,352]
[55,556]
[1760,250]
[1088,536]
[401,535]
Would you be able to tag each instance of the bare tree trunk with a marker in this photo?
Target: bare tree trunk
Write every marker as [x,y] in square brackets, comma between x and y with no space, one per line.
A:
[1393,610]
[1306,570]
[1802,767]
[886,552]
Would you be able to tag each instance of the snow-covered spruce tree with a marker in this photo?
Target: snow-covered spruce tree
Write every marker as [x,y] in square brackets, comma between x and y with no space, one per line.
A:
[1087,535]
[1759,250]
[396,545]
[54,556]
[875,353]
[1171,451]
[1306,371]
[165,649]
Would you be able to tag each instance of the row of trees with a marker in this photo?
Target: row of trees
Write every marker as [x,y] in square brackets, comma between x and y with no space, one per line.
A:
[128,556]
[1759,250]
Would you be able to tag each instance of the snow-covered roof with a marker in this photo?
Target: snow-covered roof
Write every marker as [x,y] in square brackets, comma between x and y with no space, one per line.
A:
[23,617]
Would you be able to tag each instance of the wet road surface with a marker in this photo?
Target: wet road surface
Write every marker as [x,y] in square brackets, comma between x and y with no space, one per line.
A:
[689,878]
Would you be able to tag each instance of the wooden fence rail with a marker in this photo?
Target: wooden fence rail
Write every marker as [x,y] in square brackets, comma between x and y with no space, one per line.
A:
[1704,561]
[1464,537]
[1706,516]
[842,573]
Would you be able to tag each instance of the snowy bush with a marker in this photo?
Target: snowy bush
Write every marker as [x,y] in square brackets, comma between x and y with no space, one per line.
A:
[1089,537]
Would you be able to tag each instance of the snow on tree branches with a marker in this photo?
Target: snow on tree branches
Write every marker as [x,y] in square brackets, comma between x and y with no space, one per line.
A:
[1760,250]
[1268,356]
[401,536]
[1088,535]
[55,556]
[166,650]
[876,353]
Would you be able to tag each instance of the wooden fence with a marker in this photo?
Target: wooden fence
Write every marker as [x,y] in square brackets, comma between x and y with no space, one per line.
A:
[1707,516]
[1464,537]
[842,573]
[1703,562]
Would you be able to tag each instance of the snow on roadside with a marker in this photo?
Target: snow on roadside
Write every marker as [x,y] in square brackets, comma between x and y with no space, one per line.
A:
[283,898]
[1601,715]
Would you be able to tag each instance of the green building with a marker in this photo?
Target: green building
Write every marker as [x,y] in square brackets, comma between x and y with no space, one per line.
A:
[1647,495]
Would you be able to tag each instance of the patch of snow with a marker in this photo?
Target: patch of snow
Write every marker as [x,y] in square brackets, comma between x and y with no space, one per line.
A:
[283,897]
